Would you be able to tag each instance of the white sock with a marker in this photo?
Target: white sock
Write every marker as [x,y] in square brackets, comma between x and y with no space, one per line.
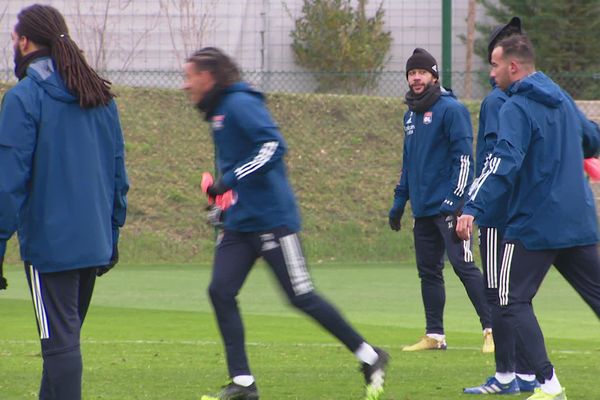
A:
[527,377]
[437,336]
[505,377]
[243,380]
[366,353]
[552,385]
[487,330]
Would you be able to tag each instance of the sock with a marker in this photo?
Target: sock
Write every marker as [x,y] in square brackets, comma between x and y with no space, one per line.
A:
[487,330]
[437,336]
[505,377]
[243,380]
[365,353]
[527,377]
[552,385]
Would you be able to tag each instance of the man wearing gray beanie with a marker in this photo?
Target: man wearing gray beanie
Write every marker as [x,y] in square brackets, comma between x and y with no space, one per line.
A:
[437,168]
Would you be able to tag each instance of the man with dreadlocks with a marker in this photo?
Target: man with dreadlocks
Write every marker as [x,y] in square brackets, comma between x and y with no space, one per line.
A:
[263,221]
[63,186]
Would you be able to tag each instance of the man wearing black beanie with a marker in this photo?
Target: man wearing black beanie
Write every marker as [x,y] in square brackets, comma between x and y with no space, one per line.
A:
[423,60]
[436,170]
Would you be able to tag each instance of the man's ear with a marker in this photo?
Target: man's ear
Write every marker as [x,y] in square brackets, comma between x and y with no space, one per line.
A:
[25,45]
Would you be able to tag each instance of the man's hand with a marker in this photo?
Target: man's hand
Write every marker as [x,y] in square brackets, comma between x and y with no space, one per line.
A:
[207,180]
[395,217]
[450,220]
[114,259]
[592,168]
[395,222]
[464,226]
[216,189]
[214,216]
[3,283]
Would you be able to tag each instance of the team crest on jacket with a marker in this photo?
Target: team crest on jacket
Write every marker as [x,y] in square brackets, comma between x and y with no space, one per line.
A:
[217,122]
[427,117]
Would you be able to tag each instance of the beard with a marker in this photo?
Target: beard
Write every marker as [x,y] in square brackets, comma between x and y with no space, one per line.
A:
[23,61]
[17,58]
[427,87]
[423,101]
[210,100]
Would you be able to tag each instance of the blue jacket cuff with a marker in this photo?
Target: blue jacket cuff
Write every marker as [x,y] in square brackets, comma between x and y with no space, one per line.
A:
[469,210]
[229,179]
[449,207]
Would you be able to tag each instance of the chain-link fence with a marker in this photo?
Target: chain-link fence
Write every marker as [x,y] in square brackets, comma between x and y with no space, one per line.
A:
[352,143]
[143,43]
[473,86]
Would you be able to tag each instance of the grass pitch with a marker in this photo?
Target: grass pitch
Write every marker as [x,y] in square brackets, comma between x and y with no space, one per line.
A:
[150,334]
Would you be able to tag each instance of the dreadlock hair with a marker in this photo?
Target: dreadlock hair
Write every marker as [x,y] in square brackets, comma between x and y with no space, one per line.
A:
[220,65]
[45,26]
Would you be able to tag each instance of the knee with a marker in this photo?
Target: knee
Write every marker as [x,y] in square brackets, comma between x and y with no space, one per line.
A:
[304,302]
[431,276]
[218,294]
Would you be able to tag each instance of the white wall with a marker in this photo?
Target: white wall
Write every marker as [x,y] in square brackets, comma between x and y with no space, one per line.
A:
[149,35]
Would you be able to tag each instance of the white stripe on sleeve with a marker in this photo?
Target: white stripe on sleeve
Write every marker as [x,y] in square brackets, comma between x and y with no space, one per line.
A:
[463,175]
[492,168]
[264,155]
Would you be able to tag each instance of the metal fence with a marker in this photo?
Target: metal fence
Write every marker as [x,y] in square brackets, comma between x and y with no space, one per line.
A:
[391,83]
[467,86]
[142,43]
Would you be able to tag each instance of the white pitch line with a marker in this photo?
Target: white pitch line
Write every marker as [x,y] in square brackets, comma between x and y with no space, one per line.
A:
[262,344]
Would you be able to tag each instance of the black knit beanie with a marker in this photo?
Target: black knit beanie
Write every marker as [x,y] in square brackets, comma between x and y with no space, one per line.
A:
[502,31]
[421,59]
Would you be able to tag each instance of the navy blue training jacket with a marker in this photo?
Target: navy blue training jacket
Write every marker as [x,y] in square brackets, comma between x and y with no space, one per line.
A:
[63,182]
[249,153]
[542,139]
[494,215]
[437,165]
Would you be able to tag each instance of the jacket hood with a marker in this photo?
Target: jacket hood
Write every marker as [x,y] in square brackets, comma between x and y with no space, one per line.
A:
[539,88]
[242,86]
[44,73]
[447,92]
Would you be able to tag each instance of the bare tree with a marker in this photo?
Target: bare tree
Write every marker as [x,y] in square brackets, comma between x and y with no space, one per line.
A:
[188,26]
[97,29]
[6,49]
[470,48]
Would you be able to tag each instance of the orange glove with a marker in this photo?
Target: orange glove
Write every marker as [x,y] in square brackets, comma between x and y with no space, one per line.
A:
[207,180]
[225,200]
[592,168]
